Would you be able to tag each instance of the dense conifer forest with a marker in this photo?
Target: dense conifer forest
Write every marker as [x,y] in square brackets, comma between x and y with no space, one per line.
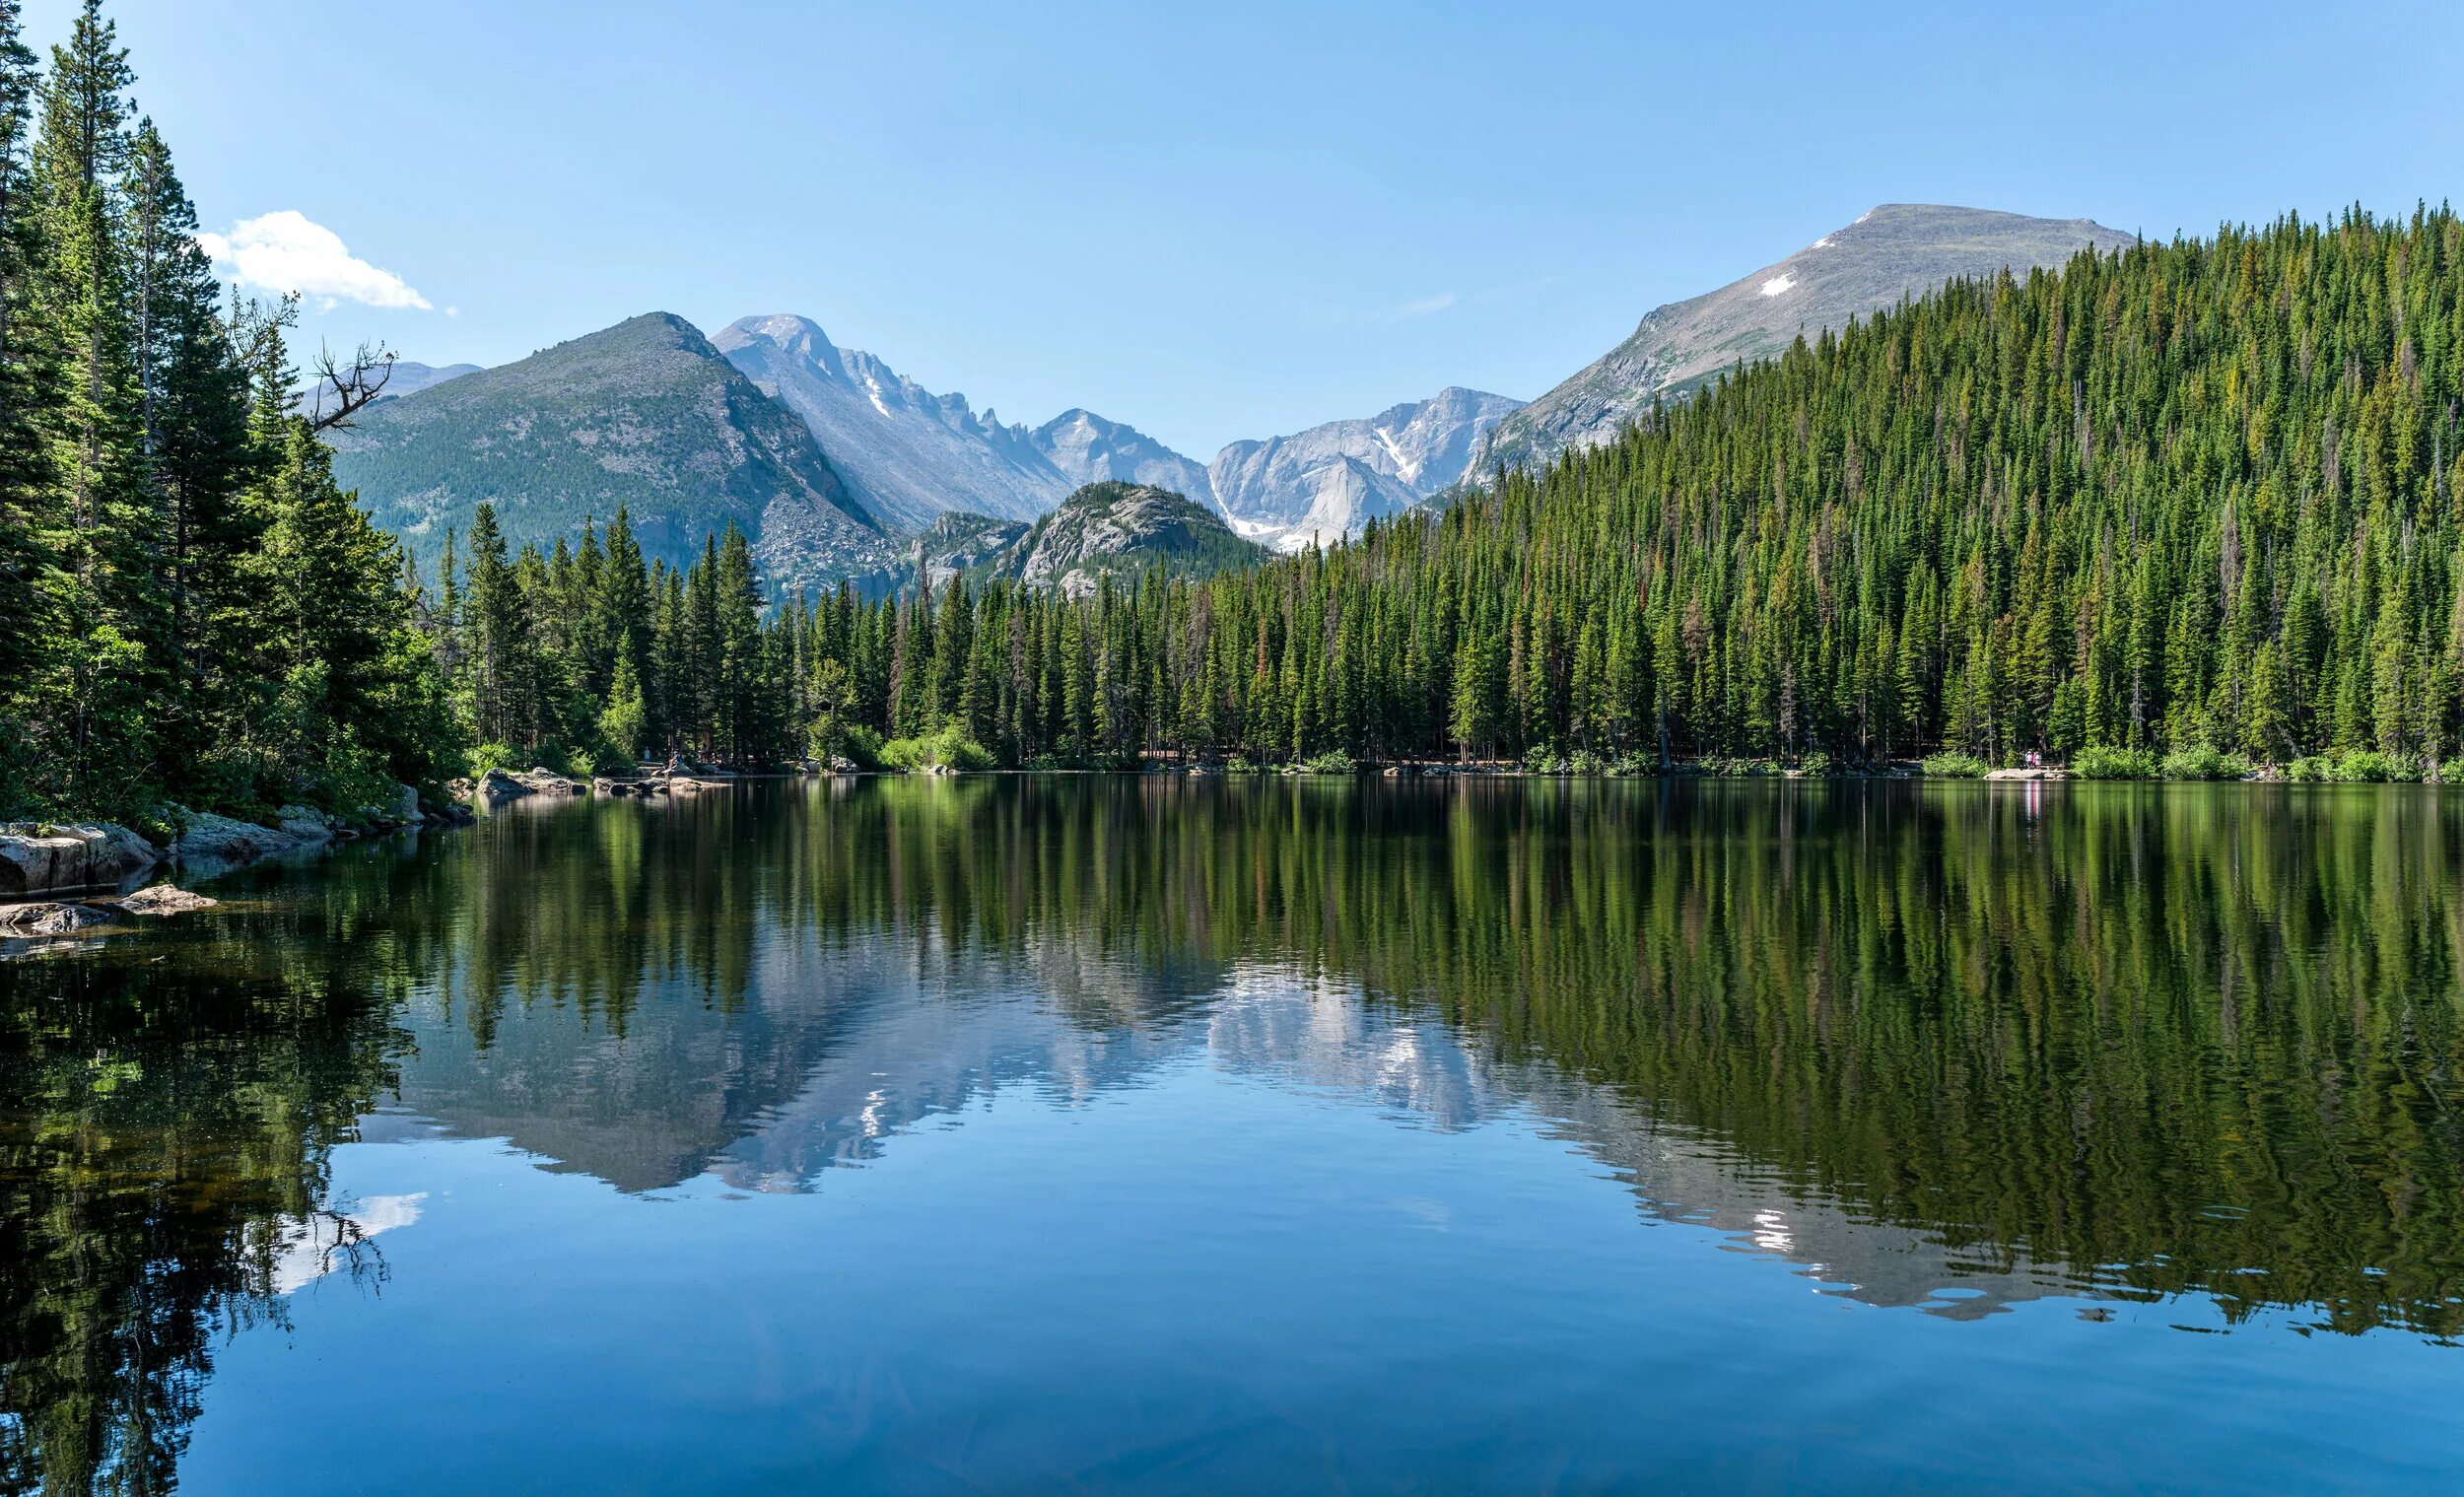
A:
[2189,498]
[190,610]
[2195,496]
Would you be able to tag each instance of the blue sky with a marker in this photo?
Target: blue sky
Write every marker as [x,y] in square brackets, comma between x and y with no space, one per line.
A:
[1217,222]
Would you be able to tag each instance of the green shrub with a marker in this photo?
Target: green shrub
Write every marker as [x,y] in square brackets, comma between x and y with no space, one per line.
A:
[1728,768]
[2205,763]
[2101,763]
[2452,772]
[1950,763]
[948,747]
[490,756]
[1585,762]
[1814,763]
[2370,766]
[2360,767]
[1635,764]
[1239,763]
[1331,762]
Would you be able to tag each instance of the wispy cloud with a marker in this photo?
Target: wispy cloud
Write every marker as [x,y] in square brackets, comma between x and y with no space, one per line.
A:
[286,251]
[1425,306]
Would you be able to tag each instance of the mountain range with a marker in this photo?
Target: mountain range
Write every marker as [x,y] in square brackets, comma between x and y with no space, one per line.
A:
[1324,484]
[1892,251]
[832,460]
[645,415]
[404,377]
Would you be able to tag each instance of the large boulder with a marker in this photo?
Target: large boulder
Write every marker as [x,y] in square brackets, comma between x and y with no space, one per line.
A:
[162,899]
[306,828]
[48,917]
[39,860]
[496,788]
[208,840]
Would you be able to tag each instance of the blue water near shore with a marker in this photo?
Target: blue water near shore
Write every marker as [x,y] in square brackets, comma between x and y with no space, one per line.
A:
[926,1139]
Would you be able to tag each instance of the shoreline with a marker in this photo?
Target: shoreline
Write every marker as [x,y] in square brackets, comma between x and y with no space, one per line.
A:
[67,876]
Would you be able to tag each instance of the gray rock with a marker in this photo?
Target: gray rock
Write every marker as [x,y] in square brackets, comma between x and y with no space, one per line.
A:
[306,826]
[213,843]
[496,788]
[37,858]
[163,899]
[50,918]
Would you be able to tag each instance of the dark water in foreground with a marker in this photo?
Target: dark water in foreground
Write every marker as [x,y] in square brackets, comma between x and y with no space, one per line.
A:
[1095,1134]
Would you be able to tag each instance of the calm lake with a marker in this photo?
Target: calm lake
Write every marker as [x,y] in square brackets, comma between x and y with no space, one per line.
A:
[1089,1133]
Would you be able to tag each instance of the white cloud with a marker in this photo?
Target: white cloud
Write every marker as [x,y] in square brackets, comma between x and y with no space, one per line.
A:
[1425,306]
[288,252]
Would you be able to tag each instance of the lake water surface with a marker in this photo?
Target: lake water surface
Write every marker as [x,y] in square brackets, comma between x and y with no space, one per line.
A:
[1092,1133]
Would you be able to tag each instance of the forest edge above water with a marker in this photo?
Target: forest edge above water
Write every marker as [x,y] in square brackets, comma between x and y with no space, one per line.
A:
[2185,509]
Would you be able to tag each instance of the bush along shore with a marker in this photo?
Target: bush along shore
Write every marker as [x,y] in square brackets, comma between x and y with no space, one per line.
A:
[952,753]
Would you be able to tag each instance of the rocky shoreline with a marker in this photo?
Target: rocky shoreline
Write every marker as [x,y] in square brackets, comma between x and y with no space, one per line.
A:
[60,877]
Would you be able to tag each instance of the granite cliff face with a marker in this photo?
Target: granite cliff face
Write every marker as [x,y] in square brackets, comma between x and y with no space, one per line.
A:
[1319,486]
[1104,529]
[1086,449]
[907,453]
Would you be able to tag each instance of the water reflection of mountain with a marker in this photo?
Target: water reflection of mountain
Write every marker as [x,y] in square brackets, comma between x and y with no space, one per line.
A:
[1898,1036]
[1422,1069]
[1901,1038]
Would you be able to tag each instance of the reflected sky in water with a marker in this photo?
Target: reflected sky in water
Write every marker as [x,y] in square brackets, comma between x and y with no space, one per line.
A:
[1101,1133]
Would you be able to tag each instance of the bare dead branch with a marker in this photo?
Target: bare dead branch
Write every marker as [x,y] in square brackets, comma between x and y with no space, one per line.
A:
[349,388]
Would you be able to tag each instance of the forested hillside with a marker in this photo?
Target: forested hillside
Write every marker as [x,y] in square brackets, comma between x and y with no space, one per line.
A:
[646,416]
[2197,493]
[2190,495]
[190,609]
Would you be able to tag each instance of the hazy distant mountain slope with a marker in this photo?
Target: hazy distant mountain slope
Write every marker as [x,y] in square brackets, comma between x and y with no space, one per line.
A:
[405,378]
[645,414]
[1086,448]
[1325,483]
[1895,250]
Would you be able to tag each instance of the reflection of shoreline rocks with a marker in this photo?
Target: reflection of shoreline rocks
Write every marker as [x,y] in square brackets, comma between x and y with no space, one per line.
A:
[39,858]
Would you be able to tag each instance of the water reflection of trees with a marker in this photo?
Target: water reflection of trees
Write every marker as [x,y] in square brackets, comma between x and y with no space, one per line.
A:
[2206,1035]
[2206,1038]
[164,1120]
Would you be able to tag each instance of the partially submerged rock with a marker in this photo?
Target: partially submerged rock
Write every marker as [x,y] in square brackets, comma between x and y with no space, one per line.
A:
[37,858]
[52,918]
[495,789]
[163,899]
[220,842]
